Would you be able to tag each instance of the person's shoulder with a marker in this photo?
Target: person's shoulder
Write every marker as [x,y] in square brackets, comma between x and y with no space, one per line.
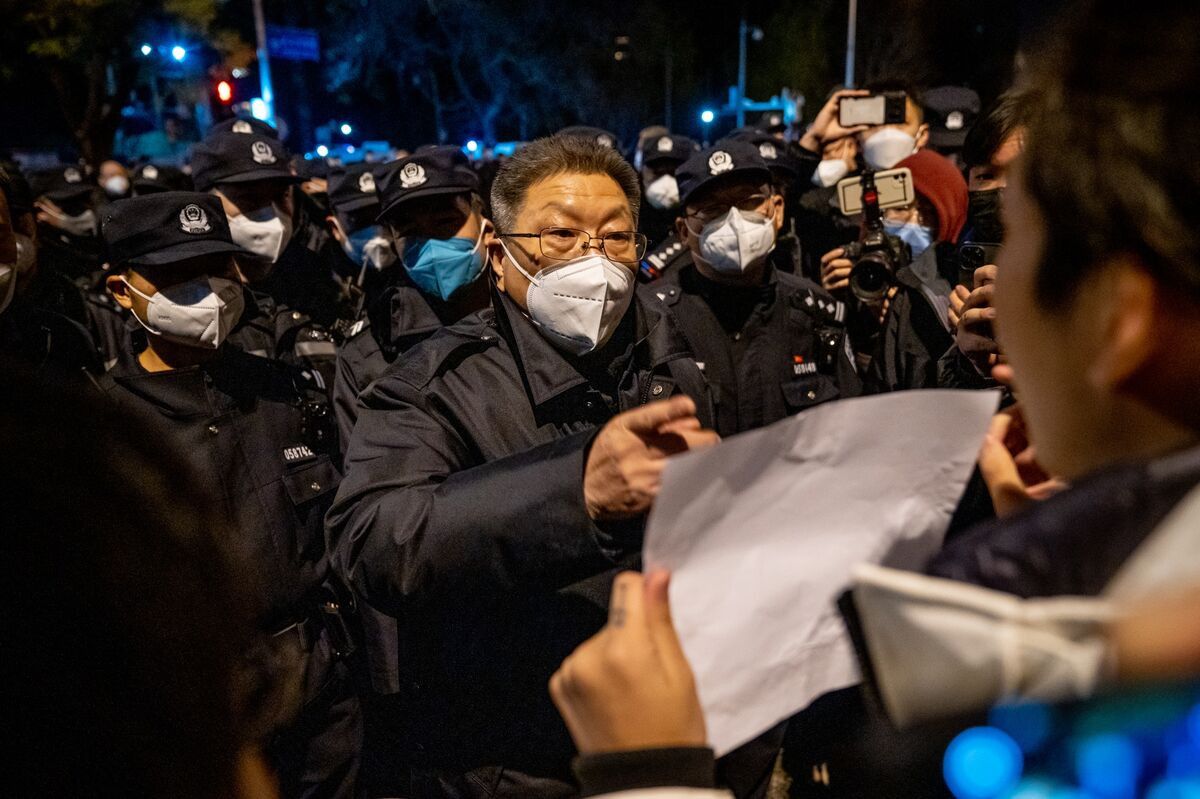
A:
[455,348]
[807,296]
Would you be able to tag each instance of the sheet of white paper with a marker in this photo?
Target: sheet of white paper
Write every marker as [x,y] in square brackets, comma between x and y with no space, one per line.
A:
[761,532]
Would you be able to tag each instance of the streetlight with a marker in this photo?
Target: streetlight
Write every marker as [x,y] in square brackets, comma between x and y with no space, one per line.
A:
[178,52]
[756,34]
[322,150]
[147,49]
[472,146]
[707,116]
[346,129]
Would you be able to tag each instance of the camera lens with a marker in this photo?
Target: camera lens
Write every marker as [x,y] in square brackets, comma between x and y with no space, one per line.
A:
[870,278]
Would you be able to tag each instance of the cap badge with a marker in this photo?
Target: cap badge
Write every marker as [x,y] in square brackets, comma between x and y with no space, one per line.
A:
[719,162]
[412,175]
[366,183]
[665,145]
[242,126]
[604,140]
[954,120]
[192,219]
[150,172]
[72,175]
[767,151]
[262,153]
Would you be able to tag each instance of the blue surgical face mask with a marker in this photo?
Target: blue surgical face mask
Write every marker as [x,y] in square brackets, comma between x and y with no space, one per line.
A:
[440,267]
[918,237]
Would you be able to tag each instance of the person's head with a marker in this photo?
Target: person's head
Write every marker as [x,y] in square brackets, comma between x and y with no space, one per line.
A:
[660,158]
[731,212]
[1098,285]
[251,175]
[431,207]
[839,158]
[353,208]
[131,613]
[64,200]
[950,112]
[173,127]
[993,143]
[883,146]
[173,268]
[940,210]
[567,207]
[113,177]
[18,241]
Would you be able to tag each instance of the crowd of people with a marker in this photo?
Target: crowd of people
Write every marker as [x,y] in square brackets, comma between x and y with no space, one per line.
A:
[332,481]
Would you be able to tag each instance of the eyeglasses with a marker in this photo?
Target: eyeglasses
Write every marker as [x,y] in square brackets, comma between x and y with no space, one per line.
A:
[710,211]
[565,243]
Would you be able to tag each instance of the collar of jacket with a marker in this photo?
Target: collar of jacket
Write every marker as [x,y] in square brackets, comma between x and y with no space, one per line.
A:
[547,372]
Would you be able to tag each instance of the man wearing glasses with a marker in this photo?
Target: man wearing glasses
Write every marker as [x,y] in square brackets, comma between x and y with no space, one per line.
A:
[498,478]
[770,343]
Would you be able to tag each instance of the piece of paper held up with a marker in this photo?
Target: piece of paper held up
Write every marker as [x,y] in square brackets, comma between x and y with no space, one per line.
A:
[761,533]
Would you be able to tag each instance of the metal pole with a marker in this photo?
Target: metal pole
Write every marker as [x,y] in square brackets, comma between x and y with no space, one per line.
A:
[851,37]
[667,80]
[264,61]
[741,80]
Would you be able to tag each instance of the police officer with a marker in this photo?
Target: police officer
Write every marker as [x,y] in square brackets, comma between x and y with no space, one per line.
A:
[259,434]
[66,219]
[785,170]
[40,311]
[290,255]
[599,136]
[770,343]
[151,178]
[659,157]
[500,471]
[429,203]
[352,221]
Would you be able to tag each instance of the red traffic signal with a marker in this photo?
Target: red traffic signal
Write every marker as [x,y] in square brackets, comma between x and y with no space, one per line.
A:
[224,91]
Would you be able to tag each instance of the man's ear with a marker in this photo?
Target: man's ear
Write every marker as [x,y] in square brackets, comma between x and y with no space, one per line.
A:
[1127,324]
[119,290]
[496,256]
[335,229]
[683,231]
[777,205]
[922,136]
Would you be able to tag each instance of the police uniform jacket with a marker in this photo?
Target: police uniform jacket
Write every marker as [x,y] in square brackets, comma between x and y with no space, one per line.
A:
[462,516]
[767,351]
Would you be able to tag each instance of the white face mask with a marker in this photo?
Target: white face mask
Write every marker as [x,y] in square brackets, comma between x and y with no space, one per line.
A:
[78,225]
[737,241]
[577,304]
[830,171]
[663,192]
[116,186]
[10,273]
[888,147]
[265,232]
[199,313]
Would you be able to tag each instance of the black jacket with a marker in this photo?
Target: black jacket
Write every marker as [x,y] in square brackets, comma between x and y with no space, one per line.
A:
[462,516]
[306,279]
[768,351]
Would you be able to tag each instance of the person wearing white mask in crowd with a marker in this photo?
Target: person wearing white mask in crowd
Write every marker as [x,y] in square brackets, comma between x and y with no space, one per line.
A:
[289,256]
[501,470]
[113,178]
[659,157]
[772,343]
[885,146]
[257,433]
[64,207]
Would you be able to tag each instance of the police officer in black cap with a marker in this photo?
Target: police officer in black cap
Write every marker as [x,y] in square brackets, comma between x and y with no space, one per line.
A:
[660,156]
[353,222]
[771,343]
[429,204]
[258,432]
[66,217]
[42,320]
[290,255]
[152,178]
[599,136]
[785,174]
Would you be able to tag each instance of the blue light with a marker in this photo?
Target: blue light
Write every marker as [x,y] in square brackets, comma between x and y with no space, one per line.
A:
[707,116]
[1174,789]
[147,49]
[258,108]
[322,150]
[982,763]
[1193,725]
[346,129]
[1028,723]
[350,149]
[472,146]
[1109,766]
[178,52]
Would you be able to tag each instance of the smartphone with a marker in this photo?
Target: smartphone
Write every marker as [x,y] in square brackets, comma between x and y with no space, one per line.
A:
[894,187]
[973,255]
[888,108]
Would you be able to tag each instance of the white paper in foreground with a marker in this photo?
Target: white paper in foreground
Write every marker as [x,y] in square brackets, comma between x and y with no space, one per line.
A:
[761,532]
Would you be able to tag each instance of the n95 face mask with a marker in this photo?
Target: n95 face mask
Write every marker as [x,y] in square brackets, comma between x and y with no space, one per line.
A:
[197,313]
[265,232]
[736,241]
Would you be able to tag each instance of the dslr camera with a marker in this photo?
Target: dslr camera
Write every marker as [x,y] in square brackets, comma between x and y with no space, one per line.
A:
[877,256]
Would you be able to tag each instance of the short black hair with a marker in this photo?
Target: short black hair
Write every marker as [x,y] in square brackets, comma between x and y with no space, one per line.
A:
[1107,159]
[990,130]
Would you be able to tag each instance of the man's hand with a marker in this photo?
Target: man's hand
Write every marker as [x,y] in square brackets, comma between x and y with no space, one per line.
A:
[835,269]
[630,686]
[624,468]
[974,333]
[957,298]
[1008,463]
[825,128]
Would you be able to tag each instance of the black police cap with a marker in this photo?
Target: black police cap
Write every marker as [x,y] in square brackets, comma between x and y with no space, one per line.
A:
[772,121]
[228,157]
[165,228]
[151,178]
[352,188]
[598,135]
[61,184]
[725,159]
[950,112]
[245,126]
[427,173]
[779,159]
[668,147]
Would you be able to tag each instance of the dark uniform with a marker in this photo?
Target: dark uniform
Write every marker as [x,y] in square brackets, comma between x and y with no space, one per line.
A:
[259,433]
[462,516]
[768,351]
[402,315]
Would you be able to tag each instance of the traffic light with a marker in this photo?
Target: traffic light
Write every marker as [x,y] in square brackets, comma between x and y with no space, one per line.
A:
[225,92]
